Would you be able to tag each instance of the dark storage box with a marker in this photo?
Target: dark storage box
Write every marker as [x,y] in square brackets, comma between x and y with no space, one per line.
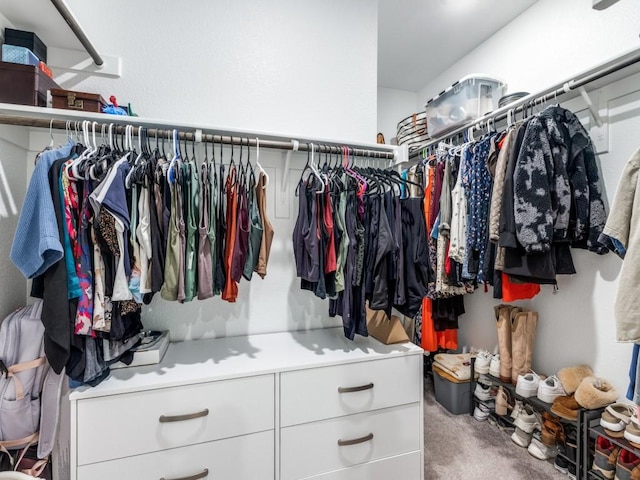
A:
[455,397]
[24,84]
[70,100]
[26,39]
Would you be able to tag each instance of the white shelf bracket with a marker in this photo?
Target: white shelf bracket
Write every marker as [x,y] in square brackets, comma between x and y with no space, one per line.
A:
[590,106]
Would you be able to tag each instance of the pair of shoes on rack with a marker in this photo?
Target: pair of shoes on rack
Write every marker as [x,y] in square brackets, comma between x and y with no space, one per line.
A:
[487,363]
[494,367]
[611,461]
[549,389]
[606,457]
[484,392]
[561,464]
[539,450]
[527,419]
[620,420]
[504,403]
[481,412]
[552,431]
[527,385]
[566,407]
[521,438]
[483,361]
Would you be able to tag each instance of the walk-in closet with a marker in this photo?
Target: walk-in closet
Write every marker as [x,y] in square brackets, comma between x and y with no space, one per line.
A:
[337,240]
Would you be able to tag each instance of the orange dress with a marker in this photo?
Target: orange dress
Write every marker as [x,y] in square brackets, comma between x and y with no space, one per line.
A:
[230,291]
[432,339]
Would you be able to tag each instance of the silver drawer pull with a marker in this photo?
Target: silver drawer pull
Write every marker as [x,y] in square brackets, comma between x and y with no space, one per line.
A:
[182,418]
[355,441]
[203,474]
[360,388]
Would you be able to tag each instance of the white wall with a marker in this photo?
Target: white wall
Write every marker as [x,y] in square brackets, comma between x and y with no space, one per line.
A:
[13,157]
[289,66]
[393,106]
[548,43]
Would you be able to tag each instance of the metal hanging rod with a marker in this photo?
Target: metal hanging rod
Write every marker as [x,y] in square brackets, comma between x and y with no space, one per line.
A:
[575,83]
[77,30]
[198,136]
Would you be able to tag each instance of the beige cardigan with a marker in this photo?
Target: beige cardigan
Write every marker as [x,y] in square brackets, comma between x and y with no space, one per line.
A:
[623,225]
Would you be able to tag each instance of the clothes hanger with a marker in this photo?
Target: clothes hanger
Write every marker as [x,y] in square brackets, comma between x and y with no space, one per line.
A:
[250,169]
[171,172]
[306,167]
[262,171]
[314,169]
[362,183]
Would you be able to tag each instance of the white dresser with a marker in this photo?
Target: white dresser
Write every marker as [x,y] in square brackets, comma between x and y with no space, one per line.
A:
[282,406]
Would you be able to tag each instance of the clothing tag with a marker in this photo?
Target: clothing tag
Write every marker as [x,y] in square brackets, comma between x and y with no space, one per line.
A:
[191,254]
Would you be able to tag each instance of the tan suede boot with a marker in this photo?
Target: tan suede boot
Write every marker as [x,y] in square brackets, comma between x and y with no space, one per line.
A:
[523,336]
[504,315]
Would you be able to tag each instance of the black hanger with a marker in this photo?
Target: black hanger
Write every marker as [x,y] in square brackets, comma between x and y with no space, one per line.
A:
[304,169]
[252,172]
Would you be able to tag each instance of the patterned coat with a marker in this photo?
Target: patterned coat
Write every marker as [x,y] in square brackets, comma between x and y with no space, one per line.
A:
[557,186]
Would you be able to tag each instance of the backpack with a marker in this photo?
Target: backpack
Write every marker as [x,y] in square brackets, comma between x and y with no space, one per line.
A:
[29,390]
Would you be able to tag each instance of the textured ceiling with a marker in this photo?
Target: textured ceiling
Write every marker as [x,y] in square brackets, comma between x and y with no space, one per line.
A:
[417,39]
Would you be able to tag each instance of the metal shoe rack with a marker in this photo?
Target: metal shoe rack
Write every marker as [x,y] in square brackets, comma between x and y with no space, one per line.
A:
[594,430]
[586,426]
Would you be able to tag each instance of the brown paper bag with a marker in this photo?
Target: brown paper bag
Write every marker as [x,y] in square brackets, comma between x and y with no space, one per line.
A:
[385,329]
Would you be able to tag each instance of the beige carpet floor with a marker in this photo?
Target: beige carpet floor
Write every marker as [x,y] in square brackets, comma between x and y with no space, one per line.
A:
[459,447]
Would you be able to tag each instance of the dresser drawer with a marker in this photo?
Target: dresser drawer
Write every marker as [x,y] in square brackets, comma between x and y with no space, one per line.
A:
[132,424]
[313,448]
[249,457]
[405,467]
[327,392]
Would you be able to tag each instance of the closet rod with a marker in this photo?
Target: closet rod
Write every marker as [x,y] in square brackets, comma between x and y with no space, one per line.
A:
[77,30]
[189,136]
[596,73]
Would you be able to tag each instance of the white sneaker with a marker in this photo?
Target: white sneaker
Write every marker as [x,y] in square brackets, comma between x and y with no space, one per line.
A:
[540,450]
[516,409]
[527,385]
[484,392]
[521,438]
[483,359]
[550,389]
[481,412]
[526,419]
[494,367]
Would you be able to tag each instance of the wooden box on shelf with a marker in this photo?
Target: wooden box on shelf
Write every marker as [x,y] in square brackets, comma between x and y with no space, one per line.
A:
[82,101]
[24,84]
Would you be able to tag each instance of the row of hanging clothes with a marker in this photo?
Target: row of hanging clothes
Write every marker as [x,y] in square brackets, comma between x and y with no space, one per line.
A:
[359,237]
[504,211]
[104,227]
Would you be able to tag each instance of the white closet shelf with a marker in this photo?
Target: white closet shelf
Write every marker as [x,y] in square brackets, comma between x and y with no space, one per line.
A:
[65,53]
[17,111]
[200,361]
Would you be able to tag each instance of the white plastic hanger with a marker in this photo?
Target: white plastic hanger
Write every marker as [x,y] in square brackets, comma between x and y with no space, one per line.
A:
[314,169]
[171,176]
[51,133]
[111,137]
[266,176]
[287,164]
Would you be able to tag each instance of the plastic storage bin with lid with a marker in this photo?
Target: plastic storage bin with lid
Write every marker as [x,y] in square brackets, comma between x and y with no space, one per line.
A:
[465,100]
